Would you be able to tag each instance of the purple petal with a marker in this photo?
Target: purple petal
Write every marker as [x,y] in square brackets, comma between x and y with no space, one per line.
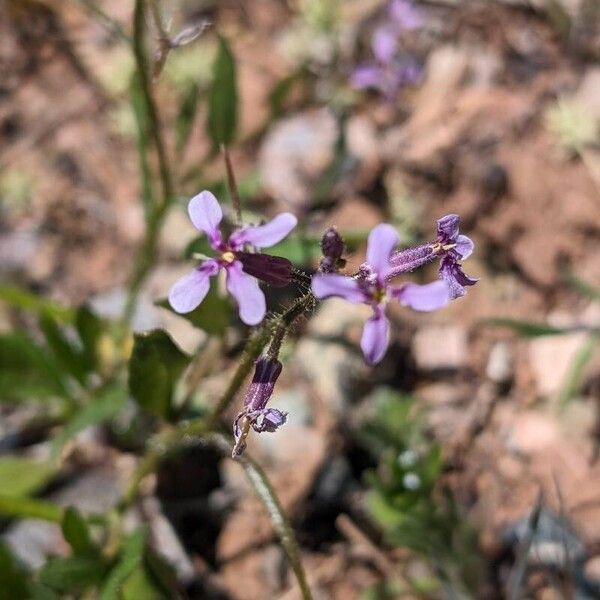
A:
[430,296]
[188,292]
[269,419]
[250,298]
[366,76]
[464,246]
[405,14]
[374,341]
[384,43]
[331,284]
[264,236]
[451,272]
[382,241]
[447,228]
[206,214]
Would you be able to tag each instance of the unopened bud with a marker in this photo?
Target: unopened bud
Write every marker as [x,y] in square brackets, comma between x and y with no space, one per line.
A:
[266,373]
[274,270]
[332,247]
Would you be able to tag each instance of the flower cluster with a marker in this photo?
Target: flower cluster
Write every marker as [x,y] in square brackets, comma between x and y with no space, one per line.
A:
[373,284]
[390,70]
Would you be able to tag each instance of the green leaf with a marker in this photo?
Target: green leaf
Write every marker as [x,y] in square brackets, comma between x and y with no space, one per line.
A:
[297,249]
[222,98]
[72,574]
[526,328]
[212,316]
[66,353]
[21,476]
[139,585]
[185,117]
[76,532]
[30,508]
[131,558]
[13,579]
[26,370]
[586,289]
[156,364]
[99,410]
[89,327]
[576,370]
[25,300]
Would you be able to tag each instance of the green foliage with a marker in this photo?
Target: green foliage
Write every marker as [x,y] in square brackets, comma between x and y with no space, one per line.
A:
[185,117]
[222,98]
[27,370]
[22,299]
[528,329]
[406,497]
[21,476]
[90,329]
[103,407]
[156,364]
[72,574]
[13,579]
[130,559]
[76,532]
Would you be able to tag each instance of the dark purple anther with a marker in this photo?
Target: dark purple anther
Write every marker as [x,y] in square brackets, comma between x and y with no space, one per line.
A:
[255,414]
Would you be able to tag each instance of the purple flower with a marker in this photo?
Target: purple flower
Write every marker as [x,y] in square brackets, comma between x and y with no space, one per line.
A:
[255,414]
[371,286]
[450,247]
[389,72]
[240,265]
[405,14]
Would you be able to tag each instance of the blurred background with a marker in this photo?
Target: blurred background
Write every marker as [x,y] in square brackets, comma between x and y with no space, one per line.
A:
[462,466]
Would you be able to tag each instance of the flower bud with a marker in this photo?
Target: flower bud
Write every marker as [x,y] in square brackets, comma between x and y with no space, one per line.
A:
[266,373]
[332,247]
[274,270]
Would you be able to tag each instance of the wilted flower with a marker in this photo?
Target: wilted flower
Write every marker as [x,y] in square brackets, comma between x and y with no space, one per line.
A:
[255,414]
[371,286]
[241,265]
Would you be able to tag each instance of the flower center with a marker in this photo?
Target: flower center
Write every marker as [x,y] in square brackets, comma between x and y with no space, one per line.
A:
[379,295]
[440,247]
[228,256]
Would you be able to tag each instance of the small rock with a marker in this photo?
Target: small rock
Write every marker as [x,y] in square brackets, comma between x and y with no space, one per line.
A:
[295,152]
[500,363]
[592,569]
[531,432]
[440,347]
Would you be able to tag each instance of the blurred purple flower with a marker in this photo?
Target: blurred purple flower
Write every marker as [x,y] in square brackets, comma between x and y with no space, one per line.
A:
[255,414]
[450,247]
[241,266]
[371,286]
[389,73]
[405,14]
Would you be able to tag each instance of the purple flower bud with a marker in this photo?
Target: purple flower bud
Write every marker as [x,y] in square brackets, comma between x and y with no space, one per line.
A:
[255,414]
[266,373]
[274,270]
[332,246]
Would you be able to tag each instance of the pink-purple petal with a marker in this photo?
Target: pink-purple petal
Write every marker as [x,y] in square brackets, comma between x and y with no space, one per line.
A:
[380,245]
[331,284]
[464,246]
[245,289]
[430,296]
[206,214]
[375,338]
[366,76]
[264,236]
[384,43]
[188,292]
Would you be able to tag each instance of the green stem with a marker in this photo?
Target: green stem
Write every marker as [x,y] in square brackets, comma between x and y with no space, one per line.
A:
[146,255]
[264,490]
